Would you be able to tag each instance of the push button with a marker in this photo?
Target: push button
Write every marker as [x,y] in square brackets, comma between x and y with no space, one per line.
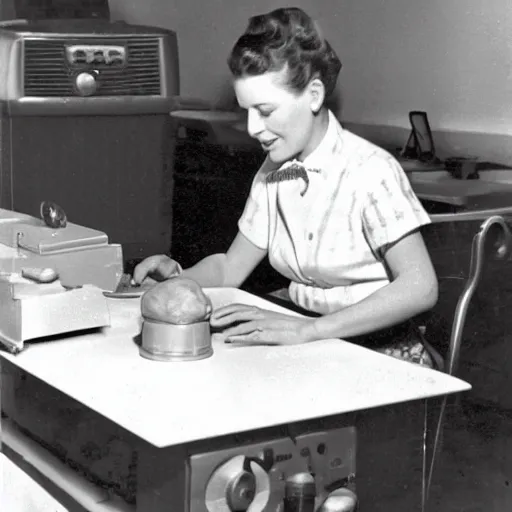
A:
[310,236]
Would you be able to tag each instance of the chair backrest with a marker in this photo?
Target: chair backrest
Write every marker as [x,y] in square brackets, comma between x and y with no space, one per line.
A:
[471,255]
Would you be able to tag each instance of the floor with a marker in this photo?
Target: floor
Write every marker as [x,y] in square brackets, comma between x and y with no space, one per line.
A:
[474,472]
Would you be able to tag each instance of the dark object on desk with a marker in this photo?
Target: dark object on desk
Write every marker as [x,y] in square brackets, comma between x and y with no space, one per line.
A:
[462,168]
[418,154]
[420,144]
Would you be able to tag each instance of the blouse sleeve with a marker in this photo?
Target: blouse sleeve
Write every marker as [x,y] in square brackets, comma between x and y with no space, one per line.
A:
[390,208]
[254,222]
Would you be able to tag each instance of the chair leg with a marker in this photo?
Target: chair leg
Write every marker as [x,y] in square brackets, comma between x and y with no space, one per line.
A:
[442,411]
[436,412]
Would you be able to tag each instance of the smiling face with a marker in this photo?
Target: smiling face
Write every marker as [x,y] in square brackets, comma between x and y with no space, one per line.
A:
[286,123]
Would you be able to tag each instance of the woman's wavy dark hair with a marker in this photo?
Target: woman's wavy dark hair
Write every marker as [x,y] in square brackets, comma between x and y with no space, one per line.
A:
[285,37]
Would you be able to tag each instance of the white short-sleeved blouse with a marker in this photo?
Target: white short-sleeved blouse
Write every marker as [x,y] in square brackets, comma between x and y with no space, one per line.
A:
[328,241]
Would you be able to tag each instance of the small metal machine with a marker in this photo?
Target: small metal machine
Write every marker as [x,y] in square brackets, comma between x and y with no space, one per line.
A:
[314,472]
[52,276]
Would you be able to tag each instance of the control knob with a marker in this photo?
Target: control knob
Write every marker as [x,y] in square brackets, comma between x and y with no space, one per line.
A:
[242,489]
[86,83]
[240,486]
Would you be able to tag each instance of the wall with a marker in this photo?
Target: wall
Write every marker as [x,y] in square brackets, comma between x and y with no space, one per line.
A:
[452,58]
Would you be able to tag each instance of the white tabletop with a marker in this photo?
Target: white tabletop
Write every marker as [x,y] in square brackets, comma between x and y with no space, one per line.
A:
[237,389]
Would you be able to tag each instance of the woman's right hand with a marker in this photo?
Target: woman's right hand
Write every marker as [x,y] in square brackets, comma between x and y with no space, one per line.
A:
[155,269]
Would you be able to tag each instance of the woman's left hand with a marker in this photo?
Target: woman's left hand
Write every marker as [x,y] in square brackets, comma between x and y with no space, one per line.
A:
[259,326]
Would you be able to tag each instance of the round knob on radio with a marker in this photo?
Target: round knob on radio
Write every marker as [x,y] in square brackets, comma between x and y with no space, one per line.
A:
[86,83]
[240,484]
[241,491]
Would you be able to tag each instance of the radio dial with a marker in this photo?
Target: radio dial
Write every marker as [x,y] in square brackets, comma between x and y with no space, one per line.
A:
[240,484]
[241,491]
[86,83]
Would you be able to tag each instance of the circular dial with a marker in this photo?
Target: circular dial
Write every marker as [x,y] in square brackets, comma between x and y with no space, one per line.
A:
[240,484]
[241,491]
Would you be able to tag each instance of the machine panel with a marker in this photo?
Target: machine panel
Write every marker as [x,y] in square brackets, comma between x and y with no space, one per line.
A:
[256,477]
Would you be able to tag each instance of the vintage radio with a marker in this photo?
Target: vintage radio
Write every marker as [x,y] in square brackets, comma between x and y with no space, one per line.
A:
[85,121]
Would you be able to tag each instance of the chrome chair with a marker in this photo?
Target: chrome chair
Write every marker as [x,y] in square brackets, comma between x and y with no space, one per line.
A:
[492,240]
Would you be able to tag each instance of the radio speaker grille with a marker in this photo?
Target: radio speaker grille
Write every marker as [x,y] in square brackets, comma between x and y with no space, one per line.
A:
[48,74]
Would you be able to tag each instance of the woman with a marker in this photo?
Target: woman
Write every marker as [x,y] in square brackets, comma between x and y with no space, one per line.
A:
[334,213]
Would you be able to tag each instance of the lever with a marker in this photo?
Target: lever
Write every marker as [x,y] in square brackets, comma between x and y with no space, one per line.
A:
[264,463]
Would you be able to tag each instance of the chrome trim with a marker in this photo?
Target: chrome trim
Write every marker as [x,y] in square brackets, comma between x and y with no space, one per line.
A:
[111,55]
[161,62]
[96,105]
